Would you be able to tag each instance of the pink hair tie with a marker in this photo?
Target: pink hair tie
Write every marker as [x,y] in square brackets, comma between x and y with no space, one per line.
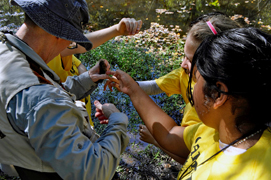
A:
[211,27]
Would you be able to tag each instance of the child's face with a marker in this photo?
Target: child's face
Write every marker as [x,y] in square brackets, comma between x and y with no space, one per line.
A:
[190,48]
[202,103]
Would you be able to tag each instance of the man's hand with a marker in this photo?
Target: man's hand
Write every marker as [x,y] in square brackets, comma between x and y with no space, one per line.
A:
[103,112]
[129,26]
[95,71]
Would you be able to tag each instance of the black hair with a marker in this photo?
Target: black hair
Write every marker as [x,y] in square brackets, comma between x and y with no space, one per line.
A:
[241,59]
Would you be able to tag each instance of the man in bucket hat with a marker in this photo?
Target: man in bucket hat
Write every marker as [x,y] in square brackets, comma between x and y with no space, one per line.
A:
[40,126]
[66,64]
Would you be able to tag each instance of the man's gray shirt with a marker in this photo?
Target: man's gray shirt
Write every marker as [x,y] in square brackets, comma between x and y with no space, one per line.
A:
[49,118]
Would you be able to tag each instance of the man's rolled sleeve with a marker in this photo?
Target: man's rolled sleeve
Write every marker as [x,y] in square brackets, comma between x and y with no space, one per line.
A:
[81,85]
[117,127]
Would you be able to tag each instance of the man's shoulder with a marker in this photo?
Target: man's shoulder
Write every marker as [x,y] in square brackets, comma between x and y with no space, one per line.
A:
[15,72]
[35,97]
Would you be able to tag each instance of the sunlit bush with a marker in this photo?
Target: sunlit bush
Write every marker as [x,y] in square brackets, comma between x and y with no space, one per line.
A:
[143,58]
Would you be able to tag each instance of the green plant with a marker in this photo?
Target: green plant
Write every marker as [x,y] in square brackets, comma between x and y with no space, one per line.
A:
[144,58]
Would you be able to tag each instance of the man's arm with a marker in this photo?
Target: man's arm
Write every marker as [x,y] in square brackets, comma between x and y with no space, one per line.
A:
[127,26]
[51,121]
[81,86]
[81,69]
[85,83]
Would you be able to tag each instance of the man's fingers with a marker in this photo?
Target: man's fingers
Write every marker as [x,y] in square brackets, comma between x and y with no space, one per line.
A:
[102,117]
[104,122]
[107,65]
[110,73]
[98,104]
[102,76]
[98,113]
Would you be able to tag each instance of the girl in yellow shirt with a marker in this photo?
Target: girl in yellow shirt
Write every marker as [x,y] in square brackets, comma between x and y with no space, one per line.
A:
[176,82]
[232,85]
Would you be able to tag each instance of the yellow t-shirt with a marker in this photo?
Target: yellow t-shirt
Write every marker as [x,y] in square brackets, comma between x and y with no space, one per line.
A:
[203,142]
[176,82]
[190,116]
[68,66]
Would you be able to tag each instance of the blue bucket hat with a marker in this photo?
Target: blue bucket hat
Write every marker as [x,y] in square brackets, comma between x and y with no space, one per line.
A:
[62,18]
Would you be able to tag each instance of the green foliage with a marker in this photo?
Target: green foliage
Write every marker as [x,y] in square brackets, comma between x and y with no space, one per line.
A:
[144,58]
[215,3]
[136,61]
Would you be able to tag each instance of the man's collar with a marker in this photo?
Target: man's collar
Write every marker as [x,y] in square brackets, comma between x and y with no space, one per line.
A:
[28,51]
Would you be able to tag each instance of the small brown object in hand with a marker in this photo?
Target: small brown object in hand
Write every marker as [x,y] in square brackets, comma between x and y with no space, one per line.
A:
[103,68]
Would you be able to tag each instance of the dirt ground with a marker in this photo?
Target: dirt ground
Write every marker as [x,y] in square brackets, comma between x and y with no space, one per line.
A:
[143,161]
[140,161]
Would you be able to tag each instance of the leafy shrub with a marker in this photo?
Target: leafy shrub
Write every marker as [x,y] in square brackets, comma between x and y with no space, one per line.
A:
[146,56]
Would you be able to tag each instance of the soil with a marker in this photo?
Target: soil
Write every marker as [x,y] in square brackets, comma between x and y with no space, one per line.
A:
[146,168]
[143,161]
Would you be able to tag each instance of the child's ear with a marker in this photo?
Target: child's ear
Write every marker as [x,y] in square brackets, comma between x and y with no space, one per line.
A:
[222,97]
